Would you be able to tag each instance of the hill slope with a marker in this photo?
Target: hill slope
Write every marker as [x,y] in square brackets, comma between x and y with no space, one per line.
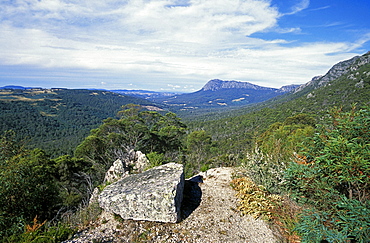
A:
[344,84]
[57,120]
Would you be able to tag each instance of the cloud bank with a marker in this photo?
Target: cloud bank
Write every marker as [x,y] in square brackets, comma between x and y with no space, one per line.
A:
[162,41]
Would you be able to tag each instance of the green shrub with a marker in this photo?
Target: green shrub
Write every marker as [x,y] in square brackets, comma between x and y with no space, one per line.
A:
[265,170]
[276,148]
[27,187]
[349,221]
[333,177]
[40,233]
[155,159]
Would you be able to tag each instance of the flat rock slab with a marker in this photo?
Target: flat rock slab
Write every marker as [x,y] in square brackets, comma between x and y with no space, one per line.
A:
[154,195]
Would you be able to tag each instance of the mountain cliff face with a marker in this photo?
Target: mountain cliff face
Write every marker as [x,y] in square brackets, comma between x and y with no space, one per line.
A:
[336,71]
[345,84]
[219,93]
[217,84]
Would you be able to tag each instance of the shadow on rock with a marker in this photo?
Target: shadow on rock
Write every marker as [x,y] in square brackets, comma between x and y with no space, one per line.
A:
[192,196]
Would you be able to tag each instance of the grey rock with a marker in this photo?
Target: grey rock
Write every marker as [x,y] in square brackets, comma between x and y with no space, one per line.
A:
[154,195]
[336,71]
[121,167]
[141,162]
[135,160]
[94,196]
[115,172]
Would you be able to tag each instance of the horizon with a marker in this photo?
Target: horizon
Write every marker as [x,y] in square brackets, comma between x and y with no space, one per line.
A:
[10,86]
[176,45]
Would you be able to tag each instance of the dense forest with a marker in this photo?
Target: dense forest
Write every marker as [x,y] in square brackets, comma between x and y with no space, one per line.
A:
[309,148]
[57,120]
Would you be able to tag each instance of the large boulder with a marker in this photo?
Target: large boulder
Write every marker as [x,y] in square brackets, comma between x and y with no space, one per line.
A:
[154,195]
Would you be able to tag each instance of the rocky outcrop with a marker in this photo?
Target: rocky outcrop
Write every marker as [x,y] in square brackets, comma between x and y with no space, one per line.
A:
[288,88]
[216,218]
[115,172]
[140,162]
[336,71]
[135,160]
[217,84]
[154,195]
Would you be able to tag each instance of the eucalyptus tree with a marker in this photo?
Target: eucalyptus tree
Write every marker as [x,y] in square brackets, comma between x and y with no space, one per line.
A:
[136,129]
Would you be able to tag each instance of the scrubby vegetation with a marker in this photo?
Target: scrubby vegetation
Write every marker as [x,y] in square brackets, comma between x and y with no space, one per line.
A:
[307,169]
[35,188]
[325,168]
[332,177]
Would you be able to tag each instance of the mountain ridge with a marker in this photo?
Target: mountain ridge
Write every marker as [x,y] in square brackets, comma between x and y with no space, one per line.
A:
[336,71]
[218,84]
[221,94]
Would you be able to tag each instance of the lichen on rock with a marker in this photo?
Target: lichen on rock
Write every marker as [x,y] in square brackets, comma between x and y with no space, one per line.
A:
[154,195]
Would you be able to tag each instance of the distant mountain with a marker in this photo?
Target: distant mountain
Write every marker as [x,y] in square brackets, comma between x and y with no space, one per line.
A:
[15,87]
[346,83]
[217,84]
[145,94]
[221,94]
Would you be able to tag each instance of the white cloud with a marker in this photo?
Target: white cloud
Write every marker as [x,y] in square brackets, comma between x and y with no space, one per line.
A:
[299,6]
[130,31]
[198,40]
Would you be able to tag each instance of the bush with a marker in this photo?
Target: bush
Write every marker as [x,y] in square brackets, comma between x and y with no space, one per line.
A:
[27,187]
[333,177]
[155,159]
[276,148]
[42,233]
[265,170]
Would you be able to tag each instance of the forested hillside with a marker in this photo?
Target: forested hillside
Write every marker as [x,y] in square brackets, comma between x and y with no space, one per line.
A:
[306,155]
[57,120]
[347,83]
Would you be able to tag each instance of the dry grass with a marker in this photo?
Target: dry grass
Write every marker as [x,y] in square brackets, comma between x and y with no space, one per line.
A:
[281,212]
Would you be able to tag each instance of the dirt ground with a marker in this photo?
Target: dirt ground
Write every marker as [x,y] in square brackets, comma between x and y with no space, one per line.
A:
[209,215]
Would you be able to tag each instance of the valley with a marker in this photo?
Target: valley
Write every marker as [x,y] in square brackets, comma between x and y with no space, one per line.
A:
[308,144]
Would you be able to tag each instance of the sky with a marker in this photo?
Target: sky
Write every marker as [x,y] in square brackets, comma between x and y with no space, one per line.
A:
[176,45]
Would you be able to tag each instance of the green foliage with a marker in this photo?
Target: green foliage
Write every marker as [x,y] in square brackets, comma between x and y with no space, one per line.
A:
[155,159]
[27,187]
[42,233]
[198,146]
[349,222]
[333,177]
[137,129]
[281,140]
[74,176]
[57,120]
[83,216]
[265,170]
[275,148]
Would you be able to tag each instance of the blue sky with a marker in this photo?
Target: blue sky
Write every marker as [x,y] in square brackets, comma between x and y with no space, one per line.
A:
[176,45]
